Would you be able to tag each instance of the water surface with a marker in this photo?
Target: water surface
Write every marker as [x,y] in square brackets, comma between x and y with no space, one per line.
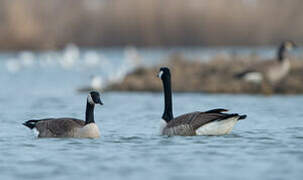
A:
[267,145]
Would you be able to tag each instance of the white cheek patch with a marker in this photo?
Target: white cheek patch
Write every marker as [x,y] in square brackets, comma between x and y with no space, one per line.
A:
[90,99]
[160,74]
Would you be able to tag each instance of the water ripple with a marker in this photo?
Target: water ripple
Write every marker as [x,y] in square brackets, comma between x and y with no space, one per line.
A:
[130,147]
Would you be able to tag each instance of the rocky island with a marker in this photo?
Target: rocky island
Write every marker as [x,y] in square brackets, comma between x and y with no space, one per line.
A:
[214,76]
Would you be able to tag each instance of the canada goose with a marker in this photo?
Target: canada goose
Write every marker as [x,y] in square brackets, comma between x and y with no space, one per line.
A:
[272,71]
[212,122]
[70,127]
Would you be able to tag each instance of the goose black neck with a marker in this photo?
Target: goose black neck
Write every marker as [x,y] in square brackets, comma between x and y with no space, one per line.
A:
[89,114]
[282,53]
[168,109]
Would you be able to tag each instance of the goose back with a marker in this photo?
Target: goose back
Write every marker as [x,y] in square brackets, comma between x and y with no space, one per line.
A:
[61,127]
[187,124]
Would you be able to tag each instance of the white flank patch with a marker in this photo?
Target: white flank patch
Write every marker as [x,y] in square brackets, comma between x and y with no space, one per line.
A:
[162,125]
[36,132]
[255,77]
[218,127]
[90,99]
[90,130]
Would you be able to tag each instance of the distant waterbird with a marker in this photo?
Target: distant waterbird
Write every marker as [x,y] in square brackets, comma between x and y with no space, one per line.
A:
[69,56]
[92,59]
[97,84]
[131,61]
[271,70]
[212,122]
[13,65]
[27,58]
[70,127]
[24,60]
[132,57]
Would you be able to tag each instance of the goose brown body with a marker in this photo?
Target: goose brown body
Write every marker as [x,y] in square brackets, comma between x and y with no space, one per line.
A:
[212,122]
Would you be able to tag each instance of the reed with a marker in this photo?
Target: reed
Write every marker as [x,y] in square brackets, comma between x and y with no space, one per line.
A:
[36,24]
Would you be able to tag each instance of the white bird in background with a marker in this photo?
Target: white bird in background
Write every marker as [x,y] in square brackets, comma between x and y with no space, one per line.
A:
[24,60]
[118,75]
[132,57]
[130,61]
[27,58]
[92,59]
[13,65]
[97,82]
[70,55]
[49,59]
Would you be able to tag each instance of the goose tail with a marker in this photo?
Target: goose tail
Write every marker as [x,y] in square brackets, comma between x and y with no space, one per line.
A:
[240,75]
[30,124]
[241,117]
[227,116]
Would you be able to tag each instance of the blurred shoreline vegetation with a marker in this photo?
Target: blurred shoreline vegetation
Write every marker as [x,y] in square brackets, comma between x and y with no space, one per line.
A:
[193,75]
[36,24]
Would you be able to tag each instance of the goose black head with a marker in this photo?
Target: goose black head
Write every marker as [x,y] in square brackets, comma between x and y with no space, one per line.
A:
[288,45]
[164,73]
[94,98]
[284,49]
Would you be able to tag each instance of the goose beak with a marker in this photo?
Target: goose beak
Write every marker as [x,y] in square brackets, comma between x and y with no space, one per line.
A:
[99,102]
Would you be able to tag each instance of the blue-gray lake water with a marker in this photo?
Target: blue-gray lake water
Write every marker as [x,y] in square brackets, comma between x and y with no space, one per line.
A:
[266,145]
